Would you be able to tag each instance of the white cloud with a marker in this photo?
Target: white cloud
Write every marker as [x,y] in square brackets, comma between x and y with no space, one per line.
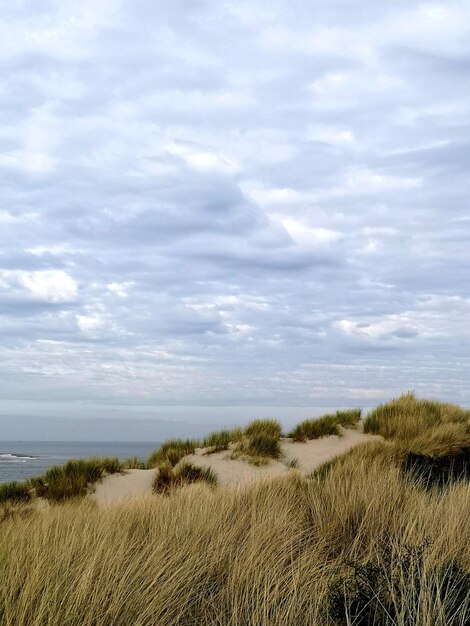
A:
[54,286]
[91,325]
[119,289]
[307,236]
[204,216]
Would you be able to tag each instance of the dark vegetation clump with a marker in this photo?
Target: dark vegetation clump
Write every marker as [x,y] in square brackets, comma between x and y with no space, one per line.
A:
[14,492]
[373,593]
[169,478]
[438,471]
[264,446]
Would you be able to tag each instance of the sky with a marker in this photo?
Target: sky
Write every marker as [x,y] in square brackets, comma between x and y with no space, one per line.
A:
[211,207]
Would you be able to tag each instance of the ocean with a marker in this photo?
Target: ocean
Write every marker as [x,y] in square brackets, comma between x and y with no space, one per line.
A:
[20,460]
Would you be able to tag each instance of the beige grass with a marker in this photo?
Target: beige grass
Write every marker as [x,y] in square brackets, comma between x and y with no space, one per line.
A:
[268,554]
[361,537]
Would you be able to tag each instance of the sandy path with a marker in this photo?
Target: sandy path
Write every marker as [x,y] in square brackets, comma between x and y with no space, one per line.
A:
[234,472]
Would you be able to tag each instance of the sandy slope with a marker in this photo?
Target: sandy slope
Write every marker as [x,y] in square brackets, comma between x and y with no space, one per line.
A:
[132,484]
[309,456]
[235,472]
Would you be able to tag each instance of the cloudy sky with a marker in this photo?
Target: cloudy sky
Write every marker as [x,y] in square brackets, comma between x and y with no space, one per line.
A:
[211,204]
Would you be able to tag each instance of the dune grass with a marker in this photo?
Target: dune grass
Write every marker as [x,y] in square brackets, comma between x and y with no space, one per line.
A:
[169,478]
[62,482]
[364,545]
[259,442]
[133,463]
[172,451]
[222,439]
[267,427]
[407,417]
[364,541]
[326,425]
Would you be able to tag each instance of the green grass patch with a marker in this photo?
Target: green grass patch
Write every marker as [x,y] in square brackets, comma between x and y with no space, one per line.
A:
[258,449]
[172,451]
[264,446]
[326,425]
[63,482]
[348,418]
[315,428]
[14,492]
[218,441]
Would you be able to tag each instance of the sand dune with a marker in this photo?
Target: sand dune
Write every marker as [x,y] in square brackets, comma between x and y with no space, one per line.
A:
[134,483]
[235,472]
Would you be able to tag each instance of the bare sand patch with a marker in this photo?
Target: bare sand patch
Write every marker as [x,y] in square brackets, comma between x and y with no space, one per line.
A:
[133,483]
[312,454]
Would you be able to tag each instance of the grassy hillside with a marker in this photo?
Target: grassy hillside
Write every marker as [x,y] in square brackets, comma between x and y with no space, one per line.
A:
[378,536]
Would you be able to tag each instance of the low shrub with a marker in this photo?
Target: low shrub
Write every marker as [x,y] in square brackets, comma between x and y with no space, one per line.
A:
[172,451]
[267,427]
[14,492]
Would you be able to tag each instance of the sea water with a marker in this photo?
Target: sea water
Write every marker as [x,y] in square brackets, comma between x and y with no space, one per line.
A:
[20,460]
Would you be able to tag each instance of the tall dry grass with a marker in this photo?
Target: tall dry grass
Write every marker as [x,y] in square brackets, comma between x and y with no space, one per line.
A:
[407,417]
[362,544]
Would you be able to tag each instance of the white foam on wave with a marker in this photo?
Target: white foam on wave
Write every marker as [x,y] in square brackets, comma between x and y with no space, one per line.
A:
[11,457]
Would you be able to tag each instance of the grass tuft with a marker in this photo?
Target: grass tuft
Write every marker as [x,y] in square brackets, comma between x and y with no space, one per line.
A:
[407,417]
[264,446]
[326,425]
[134,463]
[74,479]
[315,428]
[218,441]
[267,427]
[172,451]
[169,478]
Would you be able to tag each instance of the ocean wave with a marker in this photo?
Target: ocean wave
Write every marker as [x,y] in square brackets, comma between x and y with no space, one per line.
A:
[10,457]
